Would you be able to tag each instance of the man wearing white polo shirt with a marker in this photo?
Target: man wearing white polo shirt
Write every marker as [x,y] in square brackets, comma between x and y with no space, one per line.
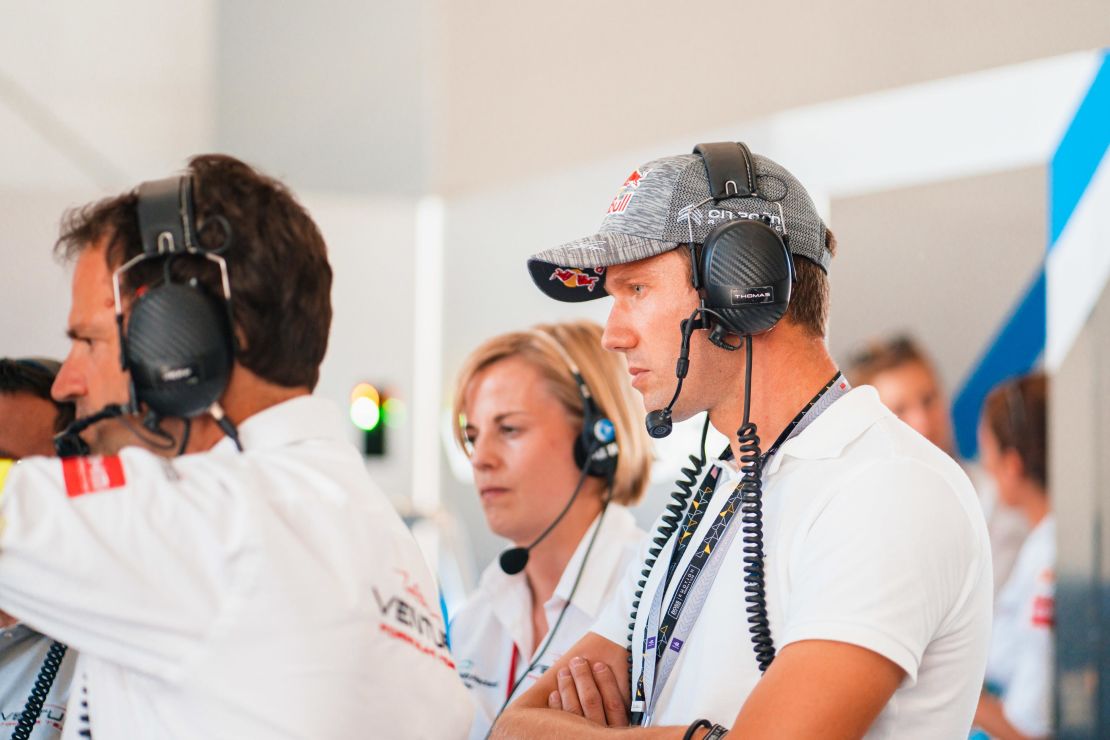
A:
[223,564]
[837,583]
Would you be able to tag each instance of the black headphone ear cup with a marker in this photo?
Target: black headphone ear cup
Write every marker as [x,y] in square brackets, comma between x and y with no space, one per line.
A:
[747,276]
[178,349]
[597,434]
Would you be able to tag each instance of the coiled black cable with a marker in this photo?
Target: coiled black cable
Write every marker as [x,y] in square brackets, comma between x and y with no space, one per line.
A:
[751,511]
[680,501]
[47,673]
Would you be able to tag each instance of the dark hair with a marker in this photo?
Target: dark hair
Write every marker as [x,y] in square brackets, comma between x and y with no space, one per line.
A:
[34,376]
[809,298]
[1016,412]
[277,263]
[880,355]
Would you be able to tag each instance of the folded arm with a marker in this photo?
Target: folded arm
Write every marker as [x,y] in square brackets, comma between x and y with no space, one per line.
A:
[595,707]
[815,688]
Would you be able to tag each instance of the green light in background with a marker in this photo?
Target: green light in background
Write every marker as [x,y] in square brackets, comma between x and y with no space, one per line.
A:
[395,412]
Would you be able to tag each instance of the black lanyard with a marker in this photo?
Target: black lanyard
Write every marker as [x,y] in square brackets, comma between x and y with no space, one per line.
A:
[709,482]
[709,543]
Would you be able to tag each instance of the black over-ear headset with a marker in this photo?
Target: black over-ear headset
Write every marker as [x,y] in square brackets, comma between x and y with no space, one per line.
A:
[743,270]
[177,343]
[595,451]
[744,273]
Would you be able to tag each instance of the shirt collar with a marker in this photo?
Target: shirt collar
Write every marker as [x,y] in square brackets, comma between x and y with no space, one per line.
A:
[299,419]
[507,592]
[838,426]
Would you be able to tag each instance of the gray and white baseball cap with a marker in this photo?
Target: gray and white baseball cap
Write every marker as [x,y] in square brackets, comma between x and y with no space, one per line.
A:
[667,202]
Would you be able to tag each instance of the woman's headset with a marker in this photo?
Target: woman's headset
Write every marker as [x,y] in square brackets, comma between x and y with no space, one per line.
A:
[595,449]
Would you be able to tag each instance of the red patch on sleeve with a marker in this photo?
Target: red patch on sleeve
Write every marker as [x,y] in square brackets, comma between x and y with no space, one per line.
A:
[1044,608]
[92,474]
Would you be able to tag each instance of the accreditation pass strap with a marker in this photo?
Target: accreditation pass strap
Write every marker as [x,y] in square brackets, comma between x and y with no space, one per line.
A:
[666,632]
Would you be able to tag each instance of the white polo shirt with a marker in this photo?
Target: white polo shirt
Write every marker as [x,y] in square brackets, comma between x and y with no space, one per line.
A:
[873,537]
[491,635]
[1020,664]
[269,594]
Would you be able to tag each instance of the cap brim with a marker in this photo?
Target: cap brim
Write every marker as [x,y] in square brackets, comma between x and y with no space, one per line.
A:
[575,271]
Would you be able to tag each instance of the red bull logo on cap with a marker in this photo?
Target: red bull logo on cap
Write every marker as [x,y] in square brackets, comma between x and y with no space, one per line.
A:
[573,277]
[627,190]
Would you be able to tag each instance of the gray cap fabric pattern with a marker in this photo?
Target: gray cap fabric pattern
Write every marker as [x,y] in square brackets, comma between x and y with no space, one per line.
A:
[667,202]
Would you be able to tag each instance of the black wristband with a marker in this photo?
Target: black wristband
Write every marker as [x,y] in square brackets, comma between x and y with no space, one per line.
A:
[716,732]
[694,727]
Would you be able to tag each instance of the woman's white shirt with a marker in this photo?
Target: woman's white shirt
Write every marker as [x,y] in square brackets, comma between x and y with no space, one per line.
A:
[1020,660]
[491,635]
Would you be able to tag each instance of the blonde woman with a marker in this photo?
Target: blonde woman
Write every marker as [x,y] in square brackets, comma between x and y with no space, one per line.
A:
[558,447]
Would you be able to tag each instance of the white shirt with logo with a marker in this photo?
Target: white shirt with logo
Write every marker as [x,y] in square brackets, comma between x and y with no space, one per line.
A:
[491,635]
[1020,663]
[873,537]
[272,593]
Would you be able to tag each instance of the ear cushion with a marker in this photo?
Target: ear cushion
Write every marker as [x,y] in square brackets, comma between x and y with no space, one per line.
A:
[747,276]
[597,435]
[178,349]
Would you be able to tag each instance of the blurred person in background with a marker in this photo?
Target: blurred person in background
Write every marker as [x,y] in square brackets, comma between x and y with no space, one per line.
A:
[529,404]
[29,419]
[909,385]
[1013,439]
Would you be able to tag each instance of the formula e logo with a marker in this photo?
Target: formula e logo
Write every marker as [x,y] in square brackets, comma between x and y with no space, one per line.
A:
[749,296]
[627,190]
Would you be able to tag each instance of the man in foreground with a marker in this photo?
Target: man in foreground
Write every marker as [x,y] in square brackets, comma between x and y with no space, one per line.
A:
[866,591]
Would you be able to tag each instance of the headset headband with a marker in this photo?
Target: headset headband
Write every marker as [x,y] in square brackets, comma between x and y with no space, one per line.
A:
[166,216]
[729,168]
[562,352]
[595,450]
